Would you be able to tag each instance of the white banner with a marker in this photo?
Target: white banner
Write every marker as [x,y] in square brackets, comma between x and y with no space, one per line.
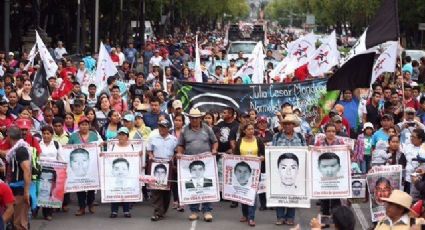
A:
[48,62]
[241,177]
[120,173]
[325,57]
[82,170]
[381,181]
[287,177]
[197,179]
[331,172]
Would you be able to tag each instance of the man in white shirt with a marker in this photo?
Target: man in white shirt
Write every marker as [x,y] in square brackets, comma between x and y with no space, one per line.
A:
[60,51]
[155,60]
[120,55]
[396,211]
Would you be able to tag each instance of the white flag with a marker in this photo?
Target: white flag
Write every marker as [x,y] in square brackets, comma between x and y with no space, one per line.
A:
[358,48]
[164,80]
[198,70]
[298,52]
[48,62]
[325,57]
[386,62]
[254,66]
[104,68]
[31,57]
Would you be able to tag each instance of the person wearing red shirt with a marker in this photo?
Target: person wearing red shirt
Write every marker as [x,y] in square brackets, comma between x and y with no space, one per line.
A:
[409,100]
[6,203]
[114,56]
[5,119]
[25,125]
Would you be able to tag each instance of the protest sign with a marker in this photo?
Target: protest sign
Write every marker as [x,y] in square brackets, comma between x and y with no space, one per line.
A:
[241,176]
[287,177]
[52,184]
[381,181]
[331,172]
[197,179]
[358,186]
[82,169]
[266,99]
[137,145]
[161,171]
[119,173]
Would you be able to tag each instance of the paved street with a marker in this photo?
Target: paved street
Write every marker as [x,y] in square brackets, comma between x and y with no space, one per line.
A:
[225,218]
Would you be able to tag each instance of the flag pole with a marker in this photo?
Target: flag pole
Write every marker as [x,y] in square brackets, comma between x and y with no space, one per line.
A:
[402,78]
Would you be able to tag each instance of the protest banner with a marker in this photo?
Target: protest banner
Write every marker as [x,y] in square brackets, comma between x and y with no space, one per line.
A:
[137,145]
[220,171]
[198,182]
[241,177]
[287,177]
[160,169]
[266,99]
[358,187]
[119,174]
[381,181]
[82,169]
[331,172]
[52,184]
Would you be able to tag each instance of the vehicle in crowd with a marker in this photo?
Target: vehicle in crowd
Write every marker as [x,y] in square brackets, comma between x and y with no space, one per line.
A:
[246,47]
[414,54]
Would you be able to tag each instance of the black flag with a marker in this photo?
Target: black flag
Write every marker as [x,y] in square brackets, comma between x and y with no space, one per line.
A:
[385,26]
[40,88]
[355,73]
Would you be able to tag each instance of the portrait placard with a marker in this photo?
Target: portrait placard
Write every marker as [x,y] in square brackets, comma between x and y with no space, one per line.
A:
[52,184]
[198,182]
[381,181]
[287,177]
[358,186]
[82,167]
[331,172]
[161,171]
[120,173]
[241,177]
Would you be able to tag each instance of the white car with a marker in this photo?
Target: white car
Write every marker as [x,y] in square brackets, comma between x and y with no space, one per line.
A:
[237,46]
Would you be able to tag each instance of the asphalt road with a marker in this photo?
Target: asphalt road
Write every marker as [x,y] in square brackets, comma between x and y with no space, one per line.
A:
[224,218]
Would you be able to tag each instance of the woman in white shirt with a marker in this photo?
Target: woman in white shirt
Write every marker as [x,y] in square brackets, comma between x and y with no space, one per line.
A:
[411,151]
[50,151]
[123,145]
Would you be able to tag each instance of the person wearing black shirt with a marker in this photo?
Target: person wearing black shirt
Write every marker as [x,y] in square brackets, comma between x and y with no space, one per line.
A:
[139,87]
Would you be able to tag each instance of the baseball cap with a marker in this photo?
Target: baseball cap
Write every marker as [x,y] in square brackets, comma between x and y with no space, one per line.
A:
[388,117]
[367,125]
[336,118]
[23,123]
[83,119]
[409,110]
[123,130]
[177,104]
[129,117]
[138,114]
[164,123]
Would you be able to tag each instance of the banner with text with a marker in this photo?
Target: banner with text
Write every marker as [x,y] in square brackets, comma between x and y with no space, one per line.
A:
[265,98]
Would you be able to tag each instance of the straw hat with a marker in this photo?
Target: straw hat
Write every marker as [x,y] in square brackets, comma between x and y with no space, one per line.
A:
[195,112]
[400,198]
[291,118]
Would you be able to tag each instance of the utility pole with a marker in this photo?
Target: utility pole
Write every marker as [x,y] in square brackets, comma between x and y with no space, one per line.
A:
[6,25]
[78,28]
[96,26]
[142,22]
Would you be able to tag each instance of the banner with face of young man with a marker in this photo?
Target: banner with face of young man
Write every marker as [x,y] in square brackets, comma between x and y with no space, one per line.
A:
[381,181]
[137,145]
[52,184]
[119,174]
[161,171]
[197,179]
[287,177]
[82,170]
[241,176]
[331,172]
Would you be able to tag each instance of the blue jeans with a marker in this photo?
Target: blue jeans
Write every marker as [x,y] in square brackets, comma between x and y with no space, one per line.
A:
[206,207]
[125,207]
[285,213]
[249,211]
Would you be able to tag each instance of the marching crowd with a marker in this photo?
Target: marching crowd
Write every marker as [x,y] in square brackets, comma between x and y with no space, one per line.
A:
[387,125]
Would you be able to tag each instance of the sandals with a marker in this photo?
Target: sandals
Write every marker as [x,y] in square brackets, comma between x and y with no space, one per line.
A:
[251,223]
[290,222]
[243,219]
[280,222]
[180,209]
[113,215]
[156,217]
